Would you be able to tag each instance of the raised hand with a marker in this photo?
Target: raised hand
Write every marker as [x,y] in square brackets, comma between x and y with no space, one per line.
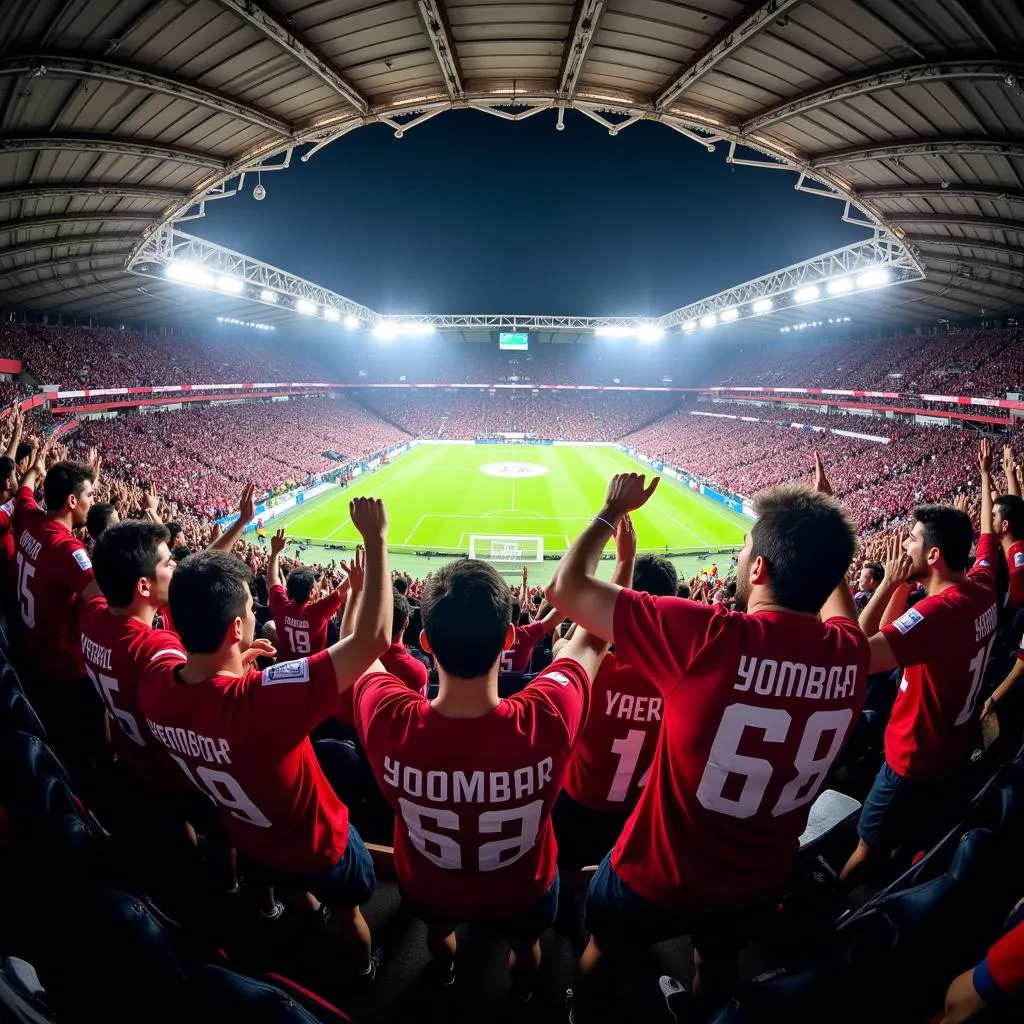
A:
[151,503]
[247,503]
[278,542]
[258,649]
[1008,460]
[985,455]
[355,570]
[821,482]
[897,563]
[961,503]
[628,492]
[369,517]
[625,540]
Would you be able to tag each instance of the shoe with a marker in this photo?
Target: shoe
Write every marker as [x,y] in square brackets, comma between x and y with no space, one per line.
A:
[275,914]
[441,972]
[672,992]
[570,1000]
[367,976]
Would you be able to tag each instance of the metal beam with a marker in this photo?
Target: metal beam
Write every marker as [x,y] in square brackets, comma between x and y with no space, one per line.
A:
[990,266]
[918,147]
[753,19]
[62,219]
[955,191]
[274,27]
[879,81]
[969,243]
[584,24]
[61,263]
[439,32]
[113,144]
[115,71]
[92,191]
[951,220]
[111,238]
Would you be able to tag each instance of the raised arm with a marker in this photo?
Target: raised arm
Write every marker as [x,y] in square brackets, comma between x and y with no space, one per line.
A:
[17,426]
[984,469]
[1010,471]
[625,552]
[839,604]
[893,588]
[524,590]
[246,512]
[352,655]
[277,544]
[574,588]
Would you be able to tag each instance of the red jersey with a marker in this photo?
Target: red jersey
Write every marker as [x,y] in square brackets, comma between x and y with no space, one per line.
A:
[53,568]
[1004,966]
[244,741]
[301,628]
[473,796]
[757,707]
[609,765]
[117,651]
[517,657]
[399,662]
[943,643]
[7,533]
[1015,563]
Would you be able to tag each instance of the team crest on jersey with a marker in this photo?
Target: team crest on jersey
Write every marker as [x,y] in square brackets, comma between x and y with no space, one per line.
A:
[908,620]
[287,672]
[82,559]
[1018,559]
[558,678]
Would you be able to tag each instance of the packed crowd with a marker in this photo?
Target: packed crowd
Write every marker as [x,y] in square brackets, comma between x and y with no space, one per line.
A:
[290,698]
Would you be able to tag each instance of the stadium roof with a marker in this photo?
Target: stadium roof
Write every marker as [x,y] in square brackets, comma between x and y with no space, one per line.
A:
[118,116]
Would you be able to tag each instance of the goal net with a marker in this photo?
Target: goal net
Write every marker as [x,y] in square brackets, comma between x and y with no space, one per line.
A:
[510,551]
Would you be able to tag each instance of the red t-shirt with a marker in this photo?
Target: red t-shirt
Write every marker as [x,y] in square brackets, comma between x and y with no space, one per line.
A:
[6,534]
[53,568]
[757,708]
[609,765]
[1005,963]
[943,643]
[301,628]
[117,651]
[473,796]
[1015,563]
[245,742]
[399,662]
[517,657]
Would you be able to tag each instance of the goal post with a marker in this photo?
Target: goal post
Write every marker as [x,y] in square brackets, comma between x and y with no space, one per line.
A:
[505,551]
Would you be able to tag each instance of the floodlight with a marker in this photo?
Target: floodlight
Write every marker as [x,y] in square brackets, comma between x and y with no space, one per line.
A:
[807,294]
[190,273]
[689,327]
[231,285]
[728,315]
[873,278]
[385,330]
[332,314]
[649,333]
[763,306]
[305,306]
[352,322]
[839,286]
[268,296]
[613,332]
[709,320]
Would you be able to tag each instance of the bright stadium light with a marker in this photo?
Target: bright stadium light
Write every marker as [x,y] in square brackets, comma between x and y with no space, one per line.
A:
[613,332]
[807,294]
[728,315]
[305,306]
[840,286]
[873,278]
[332,314]
[763,306]
[231,285]
[708,320]
[190,273]
[268,296]
[649,333]
[689,327]
[384,330]
[352,322]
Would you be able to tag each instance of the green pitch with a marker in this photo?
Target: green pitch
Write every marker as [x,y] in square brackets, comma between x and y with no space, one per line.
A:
[438,496]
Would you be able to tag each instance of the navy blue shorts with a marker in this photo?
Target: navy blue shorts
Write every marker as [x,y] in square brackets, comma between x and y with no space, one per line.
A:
[898,810]
[530,924]
[347,884]
[621,918]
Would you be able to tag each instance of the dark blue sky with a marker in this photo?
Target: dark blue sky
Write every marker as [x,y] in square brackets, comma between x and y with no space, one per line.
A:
[472,214]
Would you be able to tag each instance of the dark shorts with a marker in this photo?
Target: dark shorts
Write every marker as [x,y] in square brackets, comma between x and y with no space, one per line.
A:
[531,924]
[622,919]
[347,884]
[899,810]
[584,836]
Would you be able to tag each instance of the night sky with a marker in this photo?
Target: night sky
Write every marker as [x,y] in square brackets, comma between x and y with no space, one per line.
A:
[471,214]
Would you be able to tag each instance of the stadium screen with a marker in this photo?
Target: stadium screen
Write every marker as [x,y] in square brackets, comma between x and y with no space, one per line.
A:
[519,342]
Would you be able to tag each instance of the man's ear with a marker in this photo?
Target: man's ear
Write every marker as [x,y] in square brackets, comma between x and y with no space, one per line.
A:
[759,575]
[424,642]
[510,638]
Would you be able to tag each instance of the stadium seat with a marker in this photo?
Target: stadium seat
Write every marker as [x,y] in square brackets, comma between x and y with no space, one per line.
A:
[228,995]
[22,996]
[830,811]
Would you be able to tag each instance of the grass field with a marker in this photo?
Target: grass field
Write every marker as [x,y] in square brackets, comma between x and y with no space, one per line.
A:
[438,496]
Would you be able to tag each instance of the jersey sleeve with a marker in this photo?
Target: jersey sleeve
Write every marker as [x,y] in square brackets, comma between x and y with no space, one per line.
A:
[530,635]
[1001,973]
[6,517]
[563,690]
[985,560]
[162,647]
[377,693]
[292,698]
[921,632]
[24,501]
[327,605]
[277,599]
[77,571]
[660,636]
